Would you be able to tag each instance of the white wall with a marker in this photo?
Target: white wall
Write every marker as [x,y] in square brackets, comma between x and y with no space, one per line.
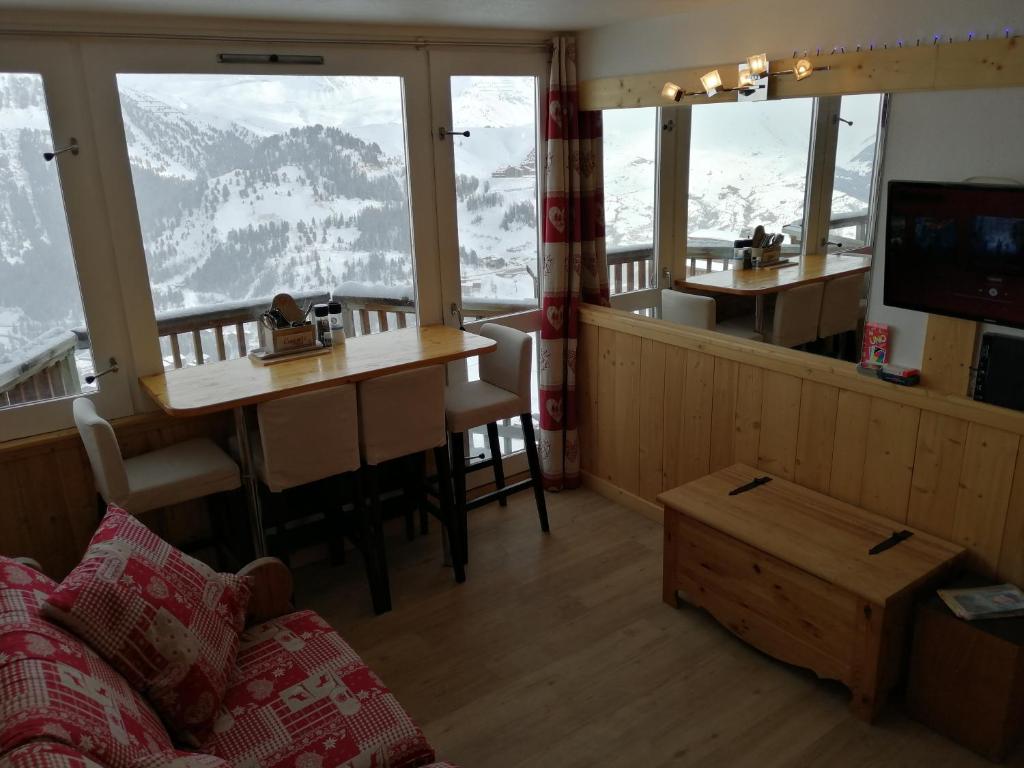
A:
[943,136]
[716,32]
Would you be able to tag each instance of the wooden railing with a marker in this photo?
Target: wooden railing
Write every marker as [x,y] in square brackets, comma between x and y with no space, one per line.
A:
[49,371]
[219,332]
[631,269]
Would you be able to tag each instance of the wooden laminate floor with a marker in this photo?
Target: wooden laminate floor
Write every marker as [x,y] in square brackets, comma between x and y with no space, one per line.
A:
[558,651]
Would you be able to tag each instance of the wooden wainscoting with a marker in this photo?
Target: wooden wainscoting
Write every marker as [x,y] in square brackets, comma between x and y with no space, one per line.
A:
[48,498]
[661,404]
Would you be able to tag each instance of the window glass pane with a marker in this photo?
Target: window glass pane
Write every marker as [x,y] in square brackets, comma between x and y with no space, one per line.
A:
[250,185]
[630,177]
[748,166]
[855,166]
[496,191]
[43,340]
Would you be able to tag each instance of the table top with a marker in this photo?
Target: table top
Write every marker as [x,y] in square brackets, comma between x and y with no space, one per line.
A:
[228,384]
[813,268]
[823,536]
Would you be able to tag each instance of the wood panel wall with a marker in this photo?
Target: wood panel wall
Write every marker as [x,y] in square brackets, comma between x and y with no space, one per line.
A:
[662,404]
[48,497]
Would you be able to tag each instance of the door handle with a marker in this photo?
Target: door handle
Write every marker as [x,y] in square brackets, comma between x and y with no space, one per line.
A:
[442,132]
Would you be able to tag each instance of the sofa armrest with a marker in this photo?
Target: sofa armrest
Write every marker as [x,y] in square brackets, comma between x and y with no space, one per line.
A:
[33,564]
[271,584]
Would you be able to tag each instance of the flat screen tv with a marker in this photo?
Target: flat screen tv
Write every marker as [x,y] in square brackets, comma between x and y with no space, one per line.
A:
[956,249]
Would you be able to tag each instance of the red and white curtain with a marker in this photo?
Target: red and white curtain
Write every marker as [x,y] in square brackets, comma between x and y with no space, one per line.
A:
[575,265]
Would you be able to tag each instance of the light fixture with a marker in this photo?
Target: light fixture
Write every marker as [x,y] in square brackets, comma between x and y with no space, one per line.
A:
[758,64]
[672,91]
[745,78]
[802,69]
[711,82]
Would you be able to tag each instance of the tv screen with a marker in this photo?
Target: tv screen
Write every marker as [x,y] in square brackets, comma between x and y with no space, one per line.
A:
[956,249]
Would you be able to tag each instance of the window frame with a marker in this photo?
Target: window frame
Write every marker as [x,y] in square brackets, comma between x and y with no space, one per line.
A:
[104,61]
[65,90]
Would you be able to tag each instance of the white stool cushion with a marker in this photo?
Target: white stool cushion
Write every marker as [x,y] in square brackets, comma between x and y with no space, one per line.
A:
[688,309]
[840,305]
[508,366]
[177,473]
[307,437]
[401,414]
[472,403]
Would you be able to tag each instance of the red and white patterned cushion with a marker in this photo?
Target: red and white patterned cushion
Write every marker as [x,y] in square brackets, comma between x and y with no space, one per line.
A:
[53,686]
[165,621]
[302,698]
[45,754]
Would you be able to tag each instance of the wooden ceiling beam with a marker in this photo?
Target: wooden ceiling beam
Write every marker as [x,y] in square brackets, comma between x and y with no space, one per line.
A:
[928,67]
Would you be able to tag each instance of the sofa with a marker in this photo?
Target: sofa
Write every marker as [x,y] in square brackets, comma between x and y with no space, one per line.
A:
[298,696]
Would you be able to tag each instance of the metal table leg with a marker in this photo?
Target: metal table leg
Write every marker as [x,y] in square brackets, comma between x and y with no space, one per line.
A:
[249,481]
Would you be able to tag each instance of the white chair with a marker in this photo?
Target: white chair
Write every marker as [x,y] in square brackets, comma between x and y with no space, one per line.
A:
[841,310]
[304,441]
[502,392]
[181,472]
[699,312]
[797,311]
[402,415]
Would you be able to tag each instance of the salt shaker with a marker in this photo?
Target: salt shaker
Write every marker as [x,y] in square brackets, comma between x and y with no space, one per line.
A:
[336,322]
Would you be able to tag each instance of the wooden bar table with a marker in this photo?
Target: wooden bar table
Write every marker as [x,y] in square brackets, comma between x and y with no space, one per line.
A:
[812,268]
[239,384]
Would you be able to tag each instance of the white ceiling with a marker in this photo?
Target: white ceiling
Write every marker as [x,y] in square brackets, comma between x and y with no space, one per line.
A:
[507,14]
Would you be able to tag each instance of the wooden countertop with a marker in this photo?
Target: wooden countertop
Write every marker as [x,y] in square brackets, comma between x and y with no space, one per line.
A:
[826,537]
[813,268]
[221,386]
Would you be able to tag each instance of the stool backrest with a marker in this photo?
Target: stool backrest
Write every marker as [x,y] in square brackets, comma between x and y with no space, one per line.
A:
[509,365]
[796,315]
[103,451]
[840,305]
[401,414]
[688,309]
[308,437]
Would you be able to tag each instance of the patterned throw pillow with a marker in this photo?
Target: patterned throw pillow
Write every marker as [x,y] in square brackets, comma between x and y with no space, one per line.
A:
[165,621]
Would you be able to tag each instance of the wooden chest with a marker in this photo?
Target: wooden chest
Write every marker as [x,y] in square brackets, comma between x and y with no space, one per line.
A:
[788,570]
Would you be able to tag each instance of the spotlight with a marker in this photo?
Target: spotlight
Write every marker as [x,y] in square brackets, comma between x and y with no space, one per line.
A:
[711,82]
[758,64]
[802,69]
[672,91]
[745,79]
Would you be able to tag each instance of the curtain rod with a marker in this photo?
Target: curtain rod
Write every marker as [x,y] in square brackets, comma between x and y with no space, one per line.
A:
[419,42]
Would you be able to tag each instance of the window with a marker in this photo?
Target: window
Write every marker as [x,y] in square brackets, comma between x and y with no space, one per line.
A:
[748,167]
[856,155]
[630,196]
[250,185]
[44,350]
[496,190]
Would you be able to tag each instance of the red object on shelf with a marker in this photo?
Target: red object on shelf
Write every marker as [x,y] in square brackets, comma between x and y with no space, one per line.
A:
[875,347]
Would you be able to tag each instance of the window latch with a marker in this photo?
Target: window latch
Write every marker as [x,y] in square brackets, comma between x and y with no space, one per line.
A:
[840,119]
[72,148]
[111,369]
[442,132]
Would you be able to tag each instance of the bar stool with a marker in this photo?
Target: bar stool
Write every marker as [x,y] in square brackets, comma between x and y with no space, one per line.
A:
[841,312]
[503,392]
[177,473]
[796,315]
[305,441]
[699,312]
[402,415]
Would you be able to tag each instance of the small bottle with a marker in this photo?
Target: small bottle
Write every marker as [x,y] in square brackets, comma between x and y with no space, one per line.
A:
[337,323]
[323,324]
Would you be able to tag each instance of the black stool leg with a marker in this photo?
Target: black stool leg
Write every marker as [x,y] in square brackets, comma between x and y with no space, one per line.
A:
[499,470]
[458,448]
[101,508]
[336,517]
[538,481]
[381,587]
[420,491]
[410,497]
[452,512]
